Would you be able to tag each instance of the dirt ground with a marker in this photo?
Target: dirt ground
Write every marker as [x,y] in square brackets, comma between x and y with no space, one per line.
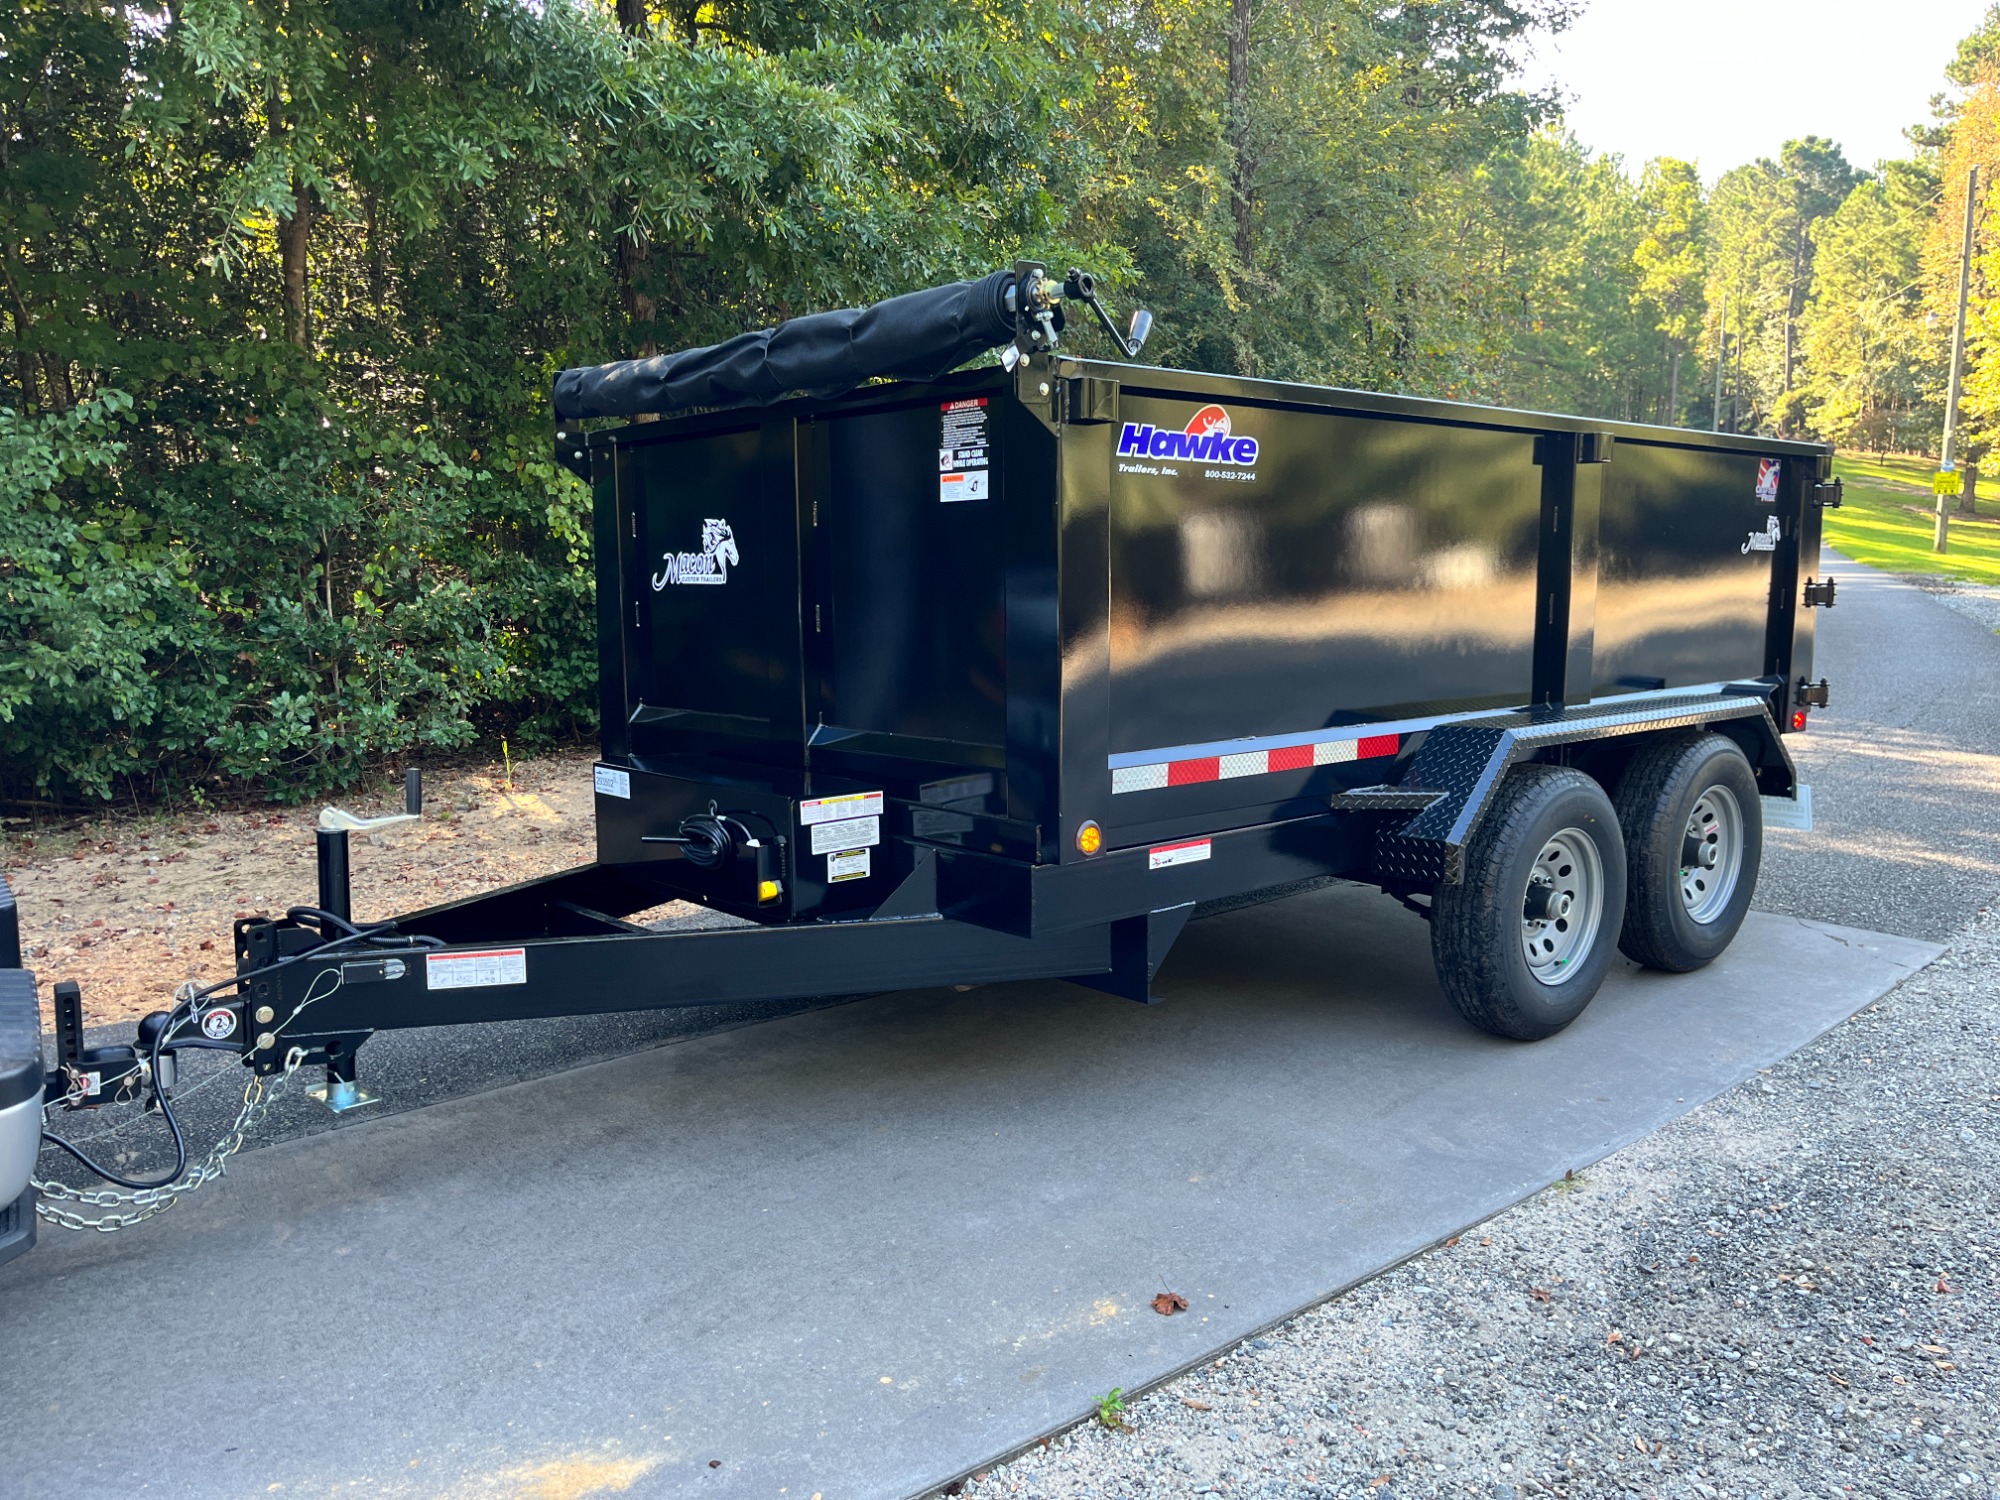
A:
[130,905]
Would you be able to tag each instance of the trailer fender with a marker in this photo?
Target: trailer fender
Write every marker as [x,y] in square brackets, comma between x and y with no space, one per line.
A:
[1457,768]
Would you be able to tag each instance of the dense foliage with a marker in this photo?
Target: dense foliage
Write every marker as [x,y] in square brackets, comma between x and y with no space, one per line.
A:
[283,285]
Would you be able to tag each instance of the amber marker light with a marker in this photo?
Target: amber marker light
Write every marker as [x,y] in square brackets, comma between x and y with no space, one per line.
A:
[767,890]
[1089,838]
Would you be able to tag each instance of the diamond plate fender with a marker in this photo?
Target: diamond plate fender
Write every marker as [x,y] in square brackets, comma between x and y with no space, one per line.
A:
[1458,767]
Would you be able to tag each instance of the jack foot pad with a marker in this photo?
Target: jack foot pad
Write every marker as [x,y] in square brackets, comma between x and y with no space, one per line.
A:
[341,1096]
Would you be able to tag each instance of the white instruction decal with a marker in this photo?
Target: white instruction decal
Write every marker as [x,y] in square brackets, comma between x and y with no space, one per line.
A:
[218,1023]
[854,833]
[612,782]
[848,864]
[474,971]
[963,454]
[833,809]
[1166,856]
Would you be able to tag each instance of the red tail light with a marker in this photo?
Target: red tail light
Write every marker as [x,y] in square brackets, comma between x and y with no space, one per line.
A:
[1798,718]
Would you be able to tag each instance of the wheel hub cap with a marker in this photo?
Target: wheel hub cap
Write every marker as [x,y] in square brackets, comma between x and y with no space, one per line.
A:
[1563,906]
[1711,854]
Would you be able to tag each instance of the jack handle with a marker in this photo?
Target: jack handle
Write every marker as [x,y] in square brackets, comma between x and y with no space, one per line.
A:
[1083,286]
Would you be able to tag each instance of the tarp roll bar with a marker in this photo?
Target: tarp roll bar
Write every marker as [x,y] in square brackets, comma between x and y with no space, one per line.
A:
[918,336]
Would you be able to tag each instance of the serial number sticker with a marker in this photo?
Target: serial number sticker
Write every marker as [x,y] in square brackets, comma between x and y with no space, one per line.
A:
[475,971]
[835,809]
[851,833]
[1166,856]
[848,864]
[613,782]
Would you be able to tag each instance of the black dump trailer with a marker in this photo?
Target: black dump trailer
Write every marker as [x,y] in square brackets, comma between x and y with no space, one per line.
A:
[1007,673]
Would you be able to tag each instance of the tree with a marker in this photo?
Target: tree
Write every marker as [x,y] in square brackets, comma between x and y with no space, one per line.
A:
[1761,218]
[1863,338]
[1670,257]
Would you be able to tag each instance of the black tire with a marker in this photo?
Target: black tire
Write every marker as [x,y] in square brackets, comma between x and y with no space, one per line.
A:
[1665,927]
[1479,931]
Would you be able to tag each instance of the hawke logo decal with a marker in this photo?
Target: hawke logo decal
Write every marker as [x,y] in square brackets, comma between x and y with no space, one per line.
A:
[710,565]
[1206,440]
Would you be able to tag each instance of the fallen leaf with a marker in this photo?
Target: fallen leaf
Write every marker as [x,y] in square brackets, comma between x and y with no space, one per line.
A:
[1448,1244]
[1169,1303]
[1944,1364]
[1193,1405]
[1941,1286]
[207,945]
[1539,1295]
[1933,1349]
[1614,1337]
[1694,1260]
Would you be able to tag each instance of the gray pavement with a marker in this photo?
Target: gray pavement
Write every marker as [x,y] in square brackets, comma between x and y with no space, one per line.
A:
[856,1251]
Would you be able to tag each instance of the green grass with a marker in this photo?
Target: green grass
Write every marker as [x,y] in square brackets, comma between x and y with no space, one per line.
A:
[1886,521]
[1889,472]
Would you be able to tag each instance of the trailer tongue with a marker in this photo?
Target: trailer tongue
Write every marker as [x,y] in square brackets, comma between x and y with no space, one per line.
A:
[1008,673]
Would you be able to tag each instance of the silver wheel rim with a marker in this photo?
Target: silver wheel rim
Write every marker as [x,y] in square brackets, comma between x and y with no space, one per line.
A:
[1563,906]
[1711,854]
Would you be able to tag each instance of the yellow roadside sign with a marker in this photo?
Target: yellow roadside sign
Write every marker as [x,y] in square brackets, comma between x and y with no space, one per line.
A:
[1947,482]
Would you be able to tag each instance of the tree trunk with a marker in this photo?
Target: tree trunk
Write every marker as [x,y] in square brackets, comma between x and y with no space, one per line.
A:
[293,232]
[1968,498]
[378,252]
[633,252]
[1242,163]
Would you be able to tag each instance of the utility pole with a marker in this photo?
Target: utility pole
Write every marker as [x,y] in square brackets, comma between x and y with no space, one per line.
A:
[1721,353]
[1945,467]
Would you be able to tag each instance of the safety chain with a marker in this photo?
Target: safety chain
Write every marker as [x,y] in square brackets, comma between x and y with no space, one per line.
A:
[146,1202]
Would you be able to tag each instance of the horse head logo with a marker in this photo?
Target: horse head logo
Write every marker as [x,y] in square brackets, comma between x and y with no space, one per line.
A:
[719,542]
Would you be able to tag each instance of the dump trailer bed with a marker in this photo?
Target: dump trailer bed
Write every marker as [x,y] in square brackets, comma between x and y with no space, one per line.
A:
[1010,672]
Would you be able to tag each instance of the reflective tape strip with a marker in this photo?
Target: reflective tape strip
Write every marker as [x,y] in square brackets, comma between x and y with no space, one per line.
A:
[1195,771]
[1139,778]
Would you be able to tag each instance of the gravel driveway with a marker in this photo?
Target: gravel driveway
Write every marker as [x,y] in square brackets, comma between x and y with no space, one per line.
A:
[1790,1291]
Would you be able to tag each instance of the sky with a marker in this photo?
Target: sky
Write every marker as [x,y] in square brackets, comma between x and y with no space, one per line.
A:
[1723,82]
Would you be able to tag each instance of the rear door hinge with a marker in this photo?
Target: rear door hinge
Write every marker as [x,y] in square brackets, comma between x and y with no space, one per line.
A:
[1827,493]
[1818,594]
[1810,694]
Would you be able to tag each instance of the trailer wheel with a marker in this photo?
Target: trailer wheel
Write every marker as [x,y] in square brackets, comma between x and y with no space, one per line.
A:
[1694,834]
[1523,941]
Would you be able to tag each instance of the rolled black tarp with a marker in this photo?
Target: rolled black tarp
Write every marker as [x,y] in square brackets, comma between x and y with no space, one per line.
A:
[918,336]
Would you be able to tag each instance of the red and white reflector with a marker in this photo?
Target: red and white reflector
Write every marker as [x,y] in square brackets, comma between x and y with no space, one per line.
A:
[1194,771]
